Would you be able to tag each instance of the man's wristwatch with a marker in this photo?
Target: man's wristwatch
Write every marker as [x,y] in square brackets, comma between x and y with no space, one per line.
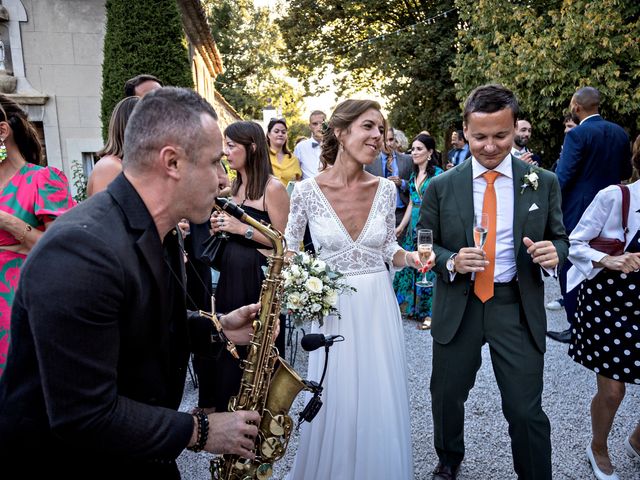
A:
[249,233]
[451,263]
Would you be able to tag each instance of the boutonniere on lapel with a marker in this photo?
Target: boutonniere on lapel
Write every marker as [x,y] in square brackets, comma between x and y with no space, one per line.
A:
[530,180]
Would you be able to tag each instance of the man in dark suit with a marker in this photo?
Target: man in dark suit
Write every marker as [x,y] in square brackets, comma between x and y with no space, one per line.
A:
[494,295]
[397,167]
[594,155]
[459,151]
[100,334]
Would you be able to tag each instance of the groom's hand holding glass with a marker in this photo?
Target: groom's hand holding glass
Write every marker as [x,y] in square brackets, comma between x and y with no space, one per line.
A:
[474,259]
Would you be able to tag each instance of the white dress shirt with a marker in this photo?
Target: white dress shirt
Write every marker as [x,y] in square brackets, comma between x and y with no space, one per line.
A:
[505,267]
[603,217]
[309,157]
[587,118]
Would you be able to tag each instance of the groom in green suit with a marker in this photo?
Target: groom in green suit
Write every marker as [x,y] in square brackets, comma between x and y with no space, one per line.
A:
[492,295]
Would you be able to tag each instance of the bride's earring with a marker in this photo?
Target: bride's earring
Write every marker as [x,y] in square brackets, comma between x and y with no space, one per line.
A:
[341,148]
[3,150]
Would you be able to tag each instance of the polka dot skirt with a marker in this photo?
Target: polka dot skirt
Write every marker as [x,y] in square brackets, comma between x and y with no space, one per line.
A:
[606,329]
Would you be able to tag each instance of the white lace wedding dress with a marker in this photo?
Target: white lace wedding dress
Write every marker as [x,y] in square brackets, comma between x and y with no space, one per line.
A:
[363,428]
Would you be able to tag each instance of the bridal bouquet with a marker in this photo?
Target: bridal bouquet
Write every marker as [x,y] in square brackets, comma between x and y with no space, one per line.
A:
[311,289]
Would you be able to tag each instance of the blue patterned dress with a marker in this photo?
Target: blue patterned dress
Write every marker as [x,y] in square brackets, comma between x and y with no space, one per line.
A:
[414,301]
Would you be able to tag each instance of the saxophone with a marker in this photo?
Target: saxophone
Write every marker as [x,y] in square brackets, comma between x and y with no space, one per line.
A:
[270,394]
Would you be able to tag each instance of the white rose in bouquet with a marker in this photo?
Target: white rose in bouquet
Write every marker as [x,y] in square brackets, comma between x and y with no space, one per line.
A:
[314,285]
[294,301]
[306,258]
[295,271]
[318,265]
[331,297]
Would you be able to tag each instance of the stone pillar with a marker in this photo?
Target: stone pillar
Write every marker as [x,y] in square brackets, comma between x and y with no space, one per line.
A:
[7,81]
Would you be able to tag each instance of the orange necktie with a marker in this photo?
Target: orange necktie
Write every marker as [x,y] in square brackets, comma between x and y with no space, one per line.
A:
[484,280]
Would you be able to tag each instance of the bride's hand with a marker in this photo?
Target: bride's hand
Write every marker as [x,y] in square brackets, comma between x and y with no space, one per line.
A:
[413,260]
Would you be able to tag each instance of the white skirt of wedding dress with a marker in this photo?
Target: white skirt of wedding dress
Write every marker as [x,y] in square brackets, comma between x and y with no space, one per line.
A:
[363,429]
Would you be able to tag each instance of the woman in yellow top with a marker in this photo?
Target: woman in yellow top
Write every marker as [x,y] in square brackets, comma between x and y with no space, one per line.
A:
[285,165]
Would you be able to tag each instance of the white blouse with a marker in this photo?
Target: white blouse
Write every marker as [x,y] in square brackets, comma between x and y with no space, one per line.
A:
[603,217]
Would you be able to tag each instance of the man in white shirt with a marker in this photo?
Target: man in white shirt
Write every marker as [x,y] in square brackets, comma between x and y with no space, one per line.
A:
[308,151]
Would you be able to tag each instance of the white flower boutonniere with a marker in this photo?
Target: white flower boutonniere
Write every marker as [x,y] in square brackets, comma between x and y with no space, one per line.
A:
[530,180]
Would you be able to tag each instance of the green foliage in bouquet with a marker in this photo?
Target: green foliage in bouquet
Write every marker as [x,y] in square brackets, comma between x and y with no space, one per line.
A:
[311,289]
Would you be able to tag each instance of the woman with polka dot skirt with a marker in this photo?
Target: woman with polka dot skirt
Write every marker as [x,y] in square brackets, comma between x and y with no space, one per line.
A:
[606,330]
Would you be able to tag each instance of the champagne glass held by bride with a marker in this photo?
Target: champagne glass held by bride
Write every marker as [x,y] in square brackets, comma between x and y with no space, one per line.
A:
[425,247]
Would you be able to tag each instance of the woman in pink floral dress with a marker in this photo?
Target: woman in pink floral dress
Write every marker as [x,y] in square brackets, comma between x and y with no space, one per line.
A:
[31,197]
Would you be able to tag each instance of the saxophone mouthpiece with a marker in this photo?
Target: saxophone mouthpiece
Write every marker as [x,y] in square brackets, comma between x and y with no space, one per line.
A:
[230,207]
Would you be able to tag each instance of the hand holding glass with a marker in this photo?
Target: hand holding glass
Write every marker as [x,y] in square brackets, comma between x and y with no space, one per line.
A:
[480,229]
[425,247]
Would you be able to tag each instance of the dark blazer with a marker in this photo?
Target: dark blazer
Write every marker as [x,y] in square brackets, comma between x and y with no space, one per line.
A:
[595,154]
[461,154]
[405,168]
[100,345]
[447,209]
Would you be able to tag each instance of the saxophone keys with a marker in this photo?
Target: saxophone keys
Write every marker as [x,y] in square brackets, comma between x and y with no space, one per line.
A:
[272,448]
[276,427]
[264,471]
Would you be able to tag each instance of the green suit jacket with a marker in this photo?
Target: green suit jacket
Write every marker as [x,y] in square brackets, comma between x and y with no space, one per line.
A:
[447,209]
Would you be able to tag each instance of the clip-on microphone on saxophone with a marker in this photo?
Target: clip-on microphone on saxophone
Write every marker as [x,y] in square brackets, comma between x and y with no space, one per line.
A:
[311,342]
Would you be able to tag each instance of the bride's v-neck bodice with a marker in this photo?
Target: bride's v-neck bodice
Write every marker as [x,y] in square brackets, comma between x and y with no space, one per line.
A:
[375,245]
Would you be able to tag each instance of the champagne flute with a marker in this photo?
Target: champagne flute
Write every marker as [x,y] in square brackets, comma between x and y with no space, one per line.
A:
[480,229]
[221,234]
[425,247]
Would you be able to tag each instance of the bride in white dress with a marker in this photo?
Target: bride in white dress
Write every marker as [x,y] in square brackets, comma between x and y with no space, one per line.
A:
[363,429]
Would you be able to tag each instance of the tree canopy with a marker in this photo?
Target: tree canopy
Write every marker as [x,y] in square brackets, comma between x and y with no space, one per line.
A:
[139,40]
[545,51]
[250,44]
[426,63]
[404,49]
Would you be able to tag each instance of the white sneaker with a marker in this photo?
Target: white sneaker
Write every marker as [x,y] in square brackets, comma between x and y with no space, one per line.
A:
[599,474]
[554,305]
[630,450]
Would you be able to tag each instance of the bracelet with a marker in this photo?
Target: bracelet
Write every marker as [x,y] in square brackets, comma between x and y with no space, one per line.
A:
[203,431]
[406,264]
[27,228]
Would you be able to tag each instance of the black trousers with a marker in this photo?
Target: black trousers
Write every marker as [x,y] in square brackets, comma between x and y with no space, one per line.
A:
[518,366]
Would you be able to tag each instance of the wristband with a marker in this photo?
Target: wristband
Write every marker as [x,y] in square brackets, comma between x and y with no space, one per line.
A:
[406,264]
[203,431]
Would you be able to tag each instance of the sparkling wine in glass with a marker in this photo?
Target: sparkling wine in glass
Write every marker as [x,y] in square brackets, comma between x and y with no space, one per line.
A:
[480,229]
[425,247]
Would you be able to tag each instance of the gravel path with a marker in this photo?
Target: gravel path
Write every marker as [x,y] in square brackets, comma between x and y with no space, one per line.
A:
[569,388]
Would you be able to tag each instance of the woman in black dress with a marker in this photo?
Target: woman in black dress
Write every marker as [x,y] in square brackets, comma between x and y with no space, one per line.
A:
[263,197]
[606,331]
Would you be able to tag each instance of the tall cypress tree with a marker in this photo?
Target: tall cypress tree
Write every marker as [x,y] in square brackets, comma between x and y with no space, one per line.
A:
[141,38]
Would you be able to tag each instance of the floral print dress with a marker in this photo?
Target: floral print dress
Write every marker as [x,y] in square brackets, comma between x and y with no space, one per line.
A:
[36,195]
[414,301]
